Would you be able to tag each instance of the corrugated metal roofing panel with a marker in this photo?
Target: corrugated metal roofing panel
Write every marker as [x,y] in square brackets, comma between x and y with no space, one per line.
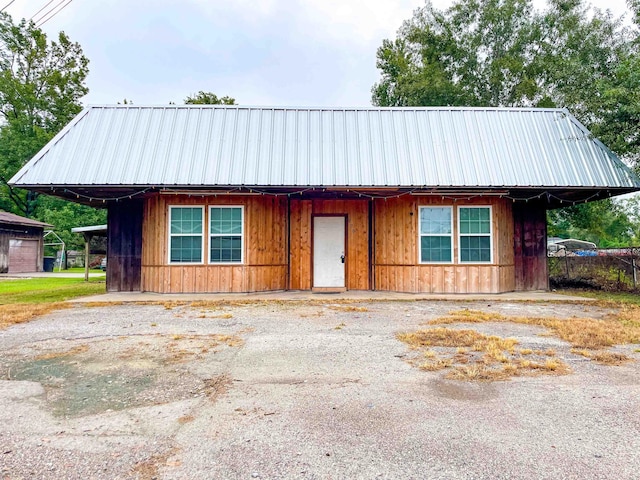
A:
[126,145]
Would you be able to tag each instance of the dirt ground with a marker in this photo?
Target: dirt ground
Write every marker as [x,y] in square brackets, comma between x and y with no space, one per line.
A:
[308,390]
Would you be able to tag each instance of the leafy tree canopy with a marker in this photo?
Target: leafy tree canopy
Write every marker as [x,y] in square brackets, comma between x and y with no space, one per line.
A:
[41,83]
[505,53]
[208,98]
[64,216]
[605,223]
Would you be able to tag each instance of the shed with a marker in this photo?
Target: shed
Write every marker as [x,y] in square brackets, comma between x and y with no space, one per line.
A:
[246,199]
[21,244]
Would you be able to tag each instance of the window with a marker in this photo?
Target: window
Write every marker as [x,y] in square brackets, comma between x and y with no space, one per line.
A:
[226,230]
[185,234]
[475,234]
[435,234]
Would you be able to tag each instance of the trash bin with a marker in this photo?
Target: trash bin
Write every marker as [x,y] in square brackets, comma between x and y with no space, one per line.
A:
[48,264]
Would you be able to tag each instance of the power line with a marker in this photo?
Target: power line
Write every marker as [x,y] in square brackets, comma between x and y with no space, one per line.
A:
[46,5]
[42,22]
[7,5]
[37,19]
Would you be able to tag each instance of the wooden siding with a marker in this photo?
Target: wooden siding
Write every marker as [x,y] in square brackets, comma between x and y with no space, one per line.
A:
[530,246]
[396,250]
[278,251]
[357,254]
[124,246]
[265,248]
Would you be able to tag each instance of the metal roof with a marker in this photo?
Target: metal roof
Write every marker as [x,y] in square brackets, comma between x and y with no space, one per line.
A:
[13,219]
[92,229]
[124,145]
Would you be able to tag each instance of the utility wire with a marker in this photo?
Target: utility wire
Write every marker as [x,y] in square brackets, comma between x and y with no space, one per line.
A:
[36,18]
[42,22]
[7,5]
[46,5]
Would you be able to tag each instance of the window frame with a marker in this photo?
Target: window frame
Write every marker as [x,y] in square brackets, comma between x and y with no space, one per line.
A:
[211,235]
[450,235]
[171,235]
[490,235]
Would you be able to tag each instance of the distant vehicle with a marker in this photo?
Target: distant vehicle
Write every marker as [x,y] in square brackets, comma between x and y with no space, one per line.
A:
[103,264]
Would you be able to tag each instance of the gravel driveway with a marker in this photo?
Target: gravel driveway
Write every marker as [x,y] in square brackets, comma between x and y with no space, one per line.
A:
[310,390]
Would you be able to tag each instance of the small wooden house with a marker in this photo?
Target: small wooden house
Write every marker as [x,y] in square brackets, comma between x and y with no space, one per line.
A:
[244,199]
[21,244]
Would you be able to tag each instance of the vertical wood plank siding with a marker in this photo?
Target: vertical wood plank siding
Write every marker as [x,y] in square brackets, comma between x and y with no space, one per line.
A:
[357,254]
[265,259]
[530,246]
[124,246]
[274,262]
[397,258]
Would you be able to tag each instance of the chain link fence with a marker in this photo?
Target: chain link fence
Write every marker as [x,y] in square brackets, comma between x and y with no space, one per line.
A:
[610,269]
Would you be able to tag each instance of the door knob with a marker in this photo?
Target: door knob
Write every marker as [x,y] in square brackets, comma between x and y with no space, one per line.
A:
[342,258]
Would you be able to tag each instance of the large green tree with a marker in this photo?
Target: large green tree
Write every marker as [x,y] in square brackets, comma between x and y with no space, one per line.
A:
[476,53]
[505,53]
[41,83]
[64,216]
[605,223]
[501,53]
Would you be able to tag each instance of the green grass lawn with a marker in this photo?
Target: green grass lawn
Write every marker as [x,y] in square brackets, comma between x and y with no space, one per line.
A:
[617,297]
[46,290]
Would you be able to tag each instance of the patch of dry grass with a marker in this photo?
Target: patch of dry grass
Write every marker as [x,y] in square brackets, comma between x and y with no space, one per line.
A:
[101,304]
[471,355]
[348,308]
[67,353]
[589,338]
[149,469]
[186,419]
[620,328]
[217,386]
[183,347]
[610,358]
[440,337]
[225,316]
[15,313]
[603,357]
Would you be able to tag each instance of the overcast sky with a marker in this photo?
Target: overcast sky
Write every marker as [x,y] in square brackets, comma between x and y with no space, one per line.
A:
[261,52]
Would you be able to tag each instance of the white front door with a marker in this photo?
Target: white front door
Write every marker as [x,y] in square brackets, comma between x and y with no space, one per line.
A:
[328,252]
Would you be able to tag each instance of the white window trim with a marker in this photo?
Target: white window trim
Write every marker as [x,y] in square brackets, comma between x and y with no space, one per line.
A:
[420,234]
[211,235]
[490,234]
[170,235]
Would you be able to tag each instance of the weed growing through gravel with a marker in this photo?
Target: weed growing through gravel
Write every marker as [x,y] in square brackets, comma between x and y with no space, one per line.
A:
[471,355]
[186,419]
[183,347]
[348,308]
[68,353]
[589,337]
[149,469]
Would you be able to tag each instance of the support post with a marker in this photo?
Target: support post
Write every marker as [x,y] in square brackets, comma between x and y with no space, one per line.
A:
[87,242]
